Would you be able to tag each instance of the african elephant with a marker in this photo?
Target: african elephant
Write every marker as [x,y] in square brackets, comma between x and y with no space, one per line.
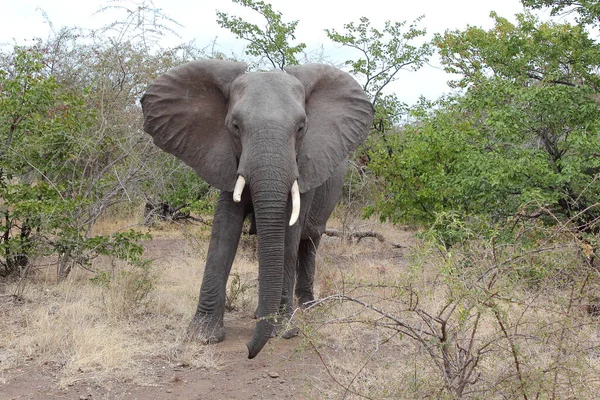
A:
[275,143]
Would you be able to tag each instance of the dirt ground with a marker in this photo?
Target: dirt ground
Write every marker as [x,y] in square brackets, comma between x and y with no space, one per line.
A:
[279,373]
[285,369]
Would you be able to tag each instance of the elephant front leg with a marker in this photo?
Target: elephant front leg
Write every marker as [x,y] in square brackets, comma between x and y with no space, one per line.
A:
[306,270]
[207,324]
[292,241]
[286,307]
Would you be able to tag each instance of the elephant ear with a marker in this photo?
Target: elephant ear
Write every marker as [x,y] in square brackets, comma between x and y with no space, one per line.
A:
[339,117]
[185,110]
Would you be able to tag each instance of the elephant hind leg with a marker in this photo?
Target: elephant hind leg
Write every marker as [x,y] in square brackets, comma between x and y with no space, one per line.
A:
[306,270]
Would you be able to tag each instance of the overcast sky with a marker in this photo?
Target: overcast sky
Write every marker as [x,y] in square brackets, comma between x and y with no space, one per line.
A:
[23,19]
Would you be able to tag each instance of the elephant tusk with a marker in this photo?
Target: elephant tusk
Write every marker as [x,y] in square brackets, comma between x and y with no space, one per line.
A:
[295,203]
[239,188]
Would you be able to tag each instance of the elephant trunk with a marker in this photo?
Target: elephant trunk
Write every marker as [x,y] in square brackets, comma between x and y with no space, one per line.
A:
[270,189]
[270,224]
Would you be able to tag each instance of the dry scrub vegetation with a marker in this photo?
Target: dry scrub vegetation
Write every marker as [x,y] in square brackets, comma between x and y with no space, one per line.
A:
[97,329]
[498,299]
[480,321]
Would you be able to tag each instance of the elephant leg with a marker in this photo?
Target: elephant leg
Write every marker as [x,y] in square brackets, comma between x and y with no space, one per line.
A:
[252,225]
[323,203]
[286,307]
[289,273]
[306,269]
[207,324]
[292,241]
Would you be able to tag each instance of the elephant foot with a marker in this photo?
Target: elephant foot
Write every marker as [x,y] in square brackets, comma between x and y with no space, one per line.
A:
[285,330]
[283,327]
[206,330]
[305,300]
[290,332]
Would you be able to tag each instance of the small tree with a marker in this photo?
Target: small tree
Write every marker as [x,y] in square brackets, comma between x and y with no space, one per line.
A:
[522,141]
[51,195]
[72,145]
[383,53]
[272,42]
[588,10]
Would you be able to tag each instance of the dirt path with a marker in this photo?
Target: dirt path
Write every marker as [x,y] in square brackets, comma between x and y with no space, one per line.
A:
[285,369]
[279,372]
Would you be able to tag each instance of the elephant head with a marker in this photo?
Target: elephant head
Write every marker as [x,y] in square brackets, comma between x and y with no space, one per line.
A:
[272,132]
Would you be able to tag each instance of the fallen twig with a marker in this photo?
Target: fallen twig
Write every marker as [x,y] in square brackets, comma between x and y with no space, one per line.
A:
[359,235]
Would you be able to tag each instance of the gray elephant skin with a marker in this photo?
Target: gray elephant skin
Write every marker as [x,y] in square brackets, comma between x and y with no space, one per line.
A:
[276,145]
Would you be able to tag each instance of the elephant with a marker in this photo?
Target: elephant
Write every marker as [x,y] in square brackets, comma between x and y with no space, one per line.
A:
[275,144]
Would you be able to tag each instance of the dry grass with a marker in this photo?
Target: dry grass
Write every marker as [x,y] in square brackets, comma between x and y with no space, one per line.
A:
[526,340]
[67,325]
[109,331]
[106,332]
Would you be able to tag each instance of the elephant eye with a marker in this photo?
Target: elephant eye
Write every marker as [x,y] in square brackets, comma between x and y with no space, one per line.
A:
[300,128]
[235,126]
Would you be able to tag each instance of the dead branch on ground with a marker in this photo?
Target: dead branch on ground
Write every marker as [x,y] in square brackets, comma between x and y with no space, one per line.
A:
[360,235]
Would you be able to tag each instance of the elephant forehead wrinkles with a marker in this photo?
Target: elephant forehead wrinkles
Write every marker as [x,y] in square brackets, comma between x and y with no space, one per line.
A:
[268,99]
[275,86]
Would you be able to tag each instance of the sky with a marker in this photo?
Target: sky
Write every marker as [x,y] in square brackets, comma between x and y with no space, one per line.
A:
[24,19]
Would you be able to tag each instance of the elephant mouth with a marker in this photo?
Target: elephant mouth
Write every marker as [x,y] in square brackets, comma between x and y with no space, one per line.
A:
[295,192]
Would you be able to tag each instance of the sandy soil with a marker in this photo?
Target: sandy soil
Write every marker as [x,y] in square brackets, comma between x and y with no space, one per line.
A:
[278,373]
[285,369]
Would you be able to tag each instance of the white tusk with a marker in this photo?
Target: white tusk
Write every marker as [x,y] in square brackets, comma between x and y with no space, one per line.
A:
[239,188]
[295,203]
